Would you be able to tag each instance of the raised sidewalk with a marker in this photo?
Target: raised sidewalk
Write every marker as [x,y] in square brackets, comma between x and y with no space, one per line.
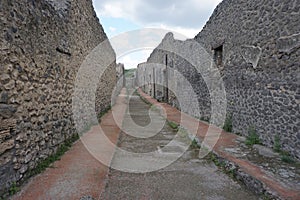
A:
[252,175]
[79,173]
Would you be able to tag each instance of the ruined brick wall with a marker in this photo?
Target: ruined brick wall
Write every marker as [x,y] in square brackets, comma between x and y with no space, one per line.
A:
[43,44]
[255,45]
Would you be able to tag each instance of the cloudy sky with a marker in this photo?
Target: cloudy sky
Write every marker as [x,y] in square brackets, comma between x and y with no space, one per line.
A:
[118,17]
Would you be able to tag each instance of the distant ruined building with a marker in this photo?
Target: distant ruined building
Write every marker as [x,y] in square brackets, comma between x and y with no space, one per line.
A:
[255,45]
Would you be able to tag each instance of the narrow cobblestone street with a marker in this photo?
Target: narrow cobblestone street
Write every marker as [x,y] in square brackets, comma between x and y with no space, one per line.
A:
[150,100]
[146,159]
[187,178]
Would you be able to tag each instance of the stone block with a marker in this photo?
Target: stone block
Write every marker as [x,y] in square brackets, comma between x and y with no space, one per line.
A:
[288,44]
[7,145]
[4,78]
[7,111]
[4,97]
[5,158]
[4,135]
[251,54]
[10,85]
[265,151]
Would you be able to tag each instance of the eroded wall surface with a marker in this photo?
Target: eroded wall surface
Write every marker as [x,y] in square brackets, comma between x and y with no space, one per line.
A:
[43,44]
[255,45]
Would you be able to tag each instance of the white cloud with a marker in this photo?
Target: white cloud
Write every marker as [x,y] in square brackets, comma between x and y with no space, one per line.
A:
[180,33]
[112,29]
[116,8]
[136,40]
[132,59]
[187,16]
[184,17]
[129,45]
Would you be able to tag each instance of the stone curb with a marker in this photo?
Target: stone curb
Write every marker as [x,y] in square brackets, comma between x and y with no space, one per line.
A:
[254,178]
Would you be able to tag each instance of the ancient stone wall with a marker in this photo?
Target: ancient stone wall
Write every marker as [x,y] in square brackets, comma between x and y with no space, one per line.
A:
[120,77]
[43,44]
[255,45]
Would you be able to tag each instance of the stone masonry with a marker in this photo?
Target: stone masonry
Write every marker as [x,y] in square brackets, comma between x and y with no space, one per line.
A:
[120,77]
[43,44]
[255,45]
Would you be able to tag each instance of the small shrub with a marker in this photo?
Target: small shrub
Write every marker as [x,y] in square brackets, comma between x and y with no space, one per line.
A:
[173,125]
[252,138]
[220,164]
[231,173]
[194,144]
[212,157]
[13,189]
[228,124]
[286,157]
[277,146]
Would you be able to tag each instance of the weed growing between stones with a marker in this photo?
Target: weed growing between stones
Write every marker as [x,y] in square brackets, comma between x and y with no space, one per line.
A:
[221,164]
[13,189]
[233,171]
[212,157]
[228,124]
[194,144]
[41,166]
[285,156]
[173,125]
[277,146]
[252,138]
[102,113]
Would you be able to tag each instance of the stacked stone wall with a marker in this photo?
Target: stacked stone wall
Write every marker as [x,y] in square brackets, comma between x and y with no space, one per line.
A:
[43,44]
[259,46]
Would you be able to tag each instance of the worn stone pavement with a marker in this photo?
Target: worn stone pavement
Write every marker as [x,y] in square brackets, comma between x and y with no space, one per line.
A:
[186,178]
[254,175]
[79,173]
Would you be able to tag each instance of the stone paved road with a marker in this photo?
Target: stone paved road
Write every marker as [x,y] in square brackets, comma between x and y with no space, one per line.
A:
[187,178]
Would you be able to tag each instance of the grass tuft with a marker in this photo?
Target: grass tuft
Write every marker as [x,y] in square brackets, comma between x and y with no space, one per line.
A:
[228,124]
[13,189]
[173,125]
[286,157]
[277,146]
[194,144]
[44,164]
[252,138]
